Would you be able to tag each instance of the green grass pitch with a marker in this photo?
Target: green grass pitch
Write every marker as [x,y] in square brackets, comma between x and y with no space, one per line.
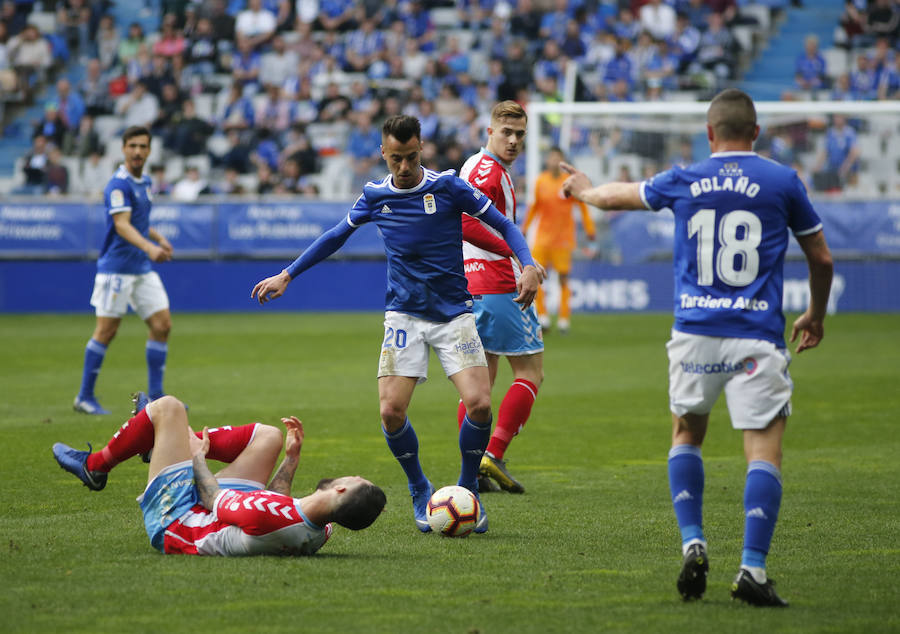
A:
[592,546]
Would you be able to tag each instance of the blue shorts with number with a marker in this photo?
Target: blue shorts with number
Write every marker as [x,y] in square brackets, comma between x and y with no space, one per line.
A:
[505,328]
[170,495]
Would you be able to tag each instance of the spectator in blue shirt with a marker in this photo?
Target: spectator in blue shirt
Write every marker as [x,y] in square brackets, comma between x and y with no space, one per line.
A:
[619,67]
[838,162]
[810,68]
[364,148]
[71,105]
[553,24]
[863,83]
[685,42]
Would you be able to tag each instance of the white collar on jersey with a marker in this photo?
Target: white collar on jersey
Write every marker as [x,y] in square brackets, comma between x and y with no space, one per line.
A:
[503,163]
[420,185]
[733,153]
[123,172]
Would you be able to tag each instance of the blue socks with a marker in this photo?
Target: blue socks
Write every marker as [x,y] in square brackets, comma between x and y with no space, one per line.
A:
[94,353]
[686,486]
[156,367]
[473,440]
[762,499]
[404,444]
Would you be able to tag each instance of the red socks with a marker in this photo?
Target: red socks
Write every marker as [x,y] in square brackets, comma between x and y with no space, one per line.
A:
[133,438]
[136,437]
[513,414]
[226,443]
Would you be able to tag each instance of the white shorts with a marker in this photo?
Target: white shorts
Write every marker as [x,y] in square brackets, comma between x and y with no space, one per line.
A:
[753,373]
[115,292]
[407,339]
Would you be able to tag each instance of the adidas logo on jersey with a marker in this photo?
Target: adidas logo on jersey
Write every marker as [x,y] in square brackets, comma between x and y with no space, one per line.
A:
[386,210]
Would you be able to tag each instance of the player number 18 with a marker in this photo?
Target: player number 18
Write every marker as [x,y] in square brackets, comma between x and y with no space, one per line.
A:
[739,234]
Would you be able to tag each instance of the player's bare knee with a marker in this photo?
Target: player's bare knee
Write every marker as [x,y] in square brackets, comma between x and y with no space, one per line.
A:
[165,410]
[160,331]
[104,335]
[392,417]
[268,436]
[479,408]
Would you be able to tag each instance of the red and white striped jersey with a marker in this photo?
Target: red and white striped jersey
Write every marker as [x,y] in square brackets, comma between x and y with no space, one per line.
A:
[489,272]
[246,523]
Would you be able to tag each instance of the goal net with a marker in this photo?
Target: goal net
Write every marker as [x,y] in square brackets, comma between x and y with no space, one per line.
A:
[858,198]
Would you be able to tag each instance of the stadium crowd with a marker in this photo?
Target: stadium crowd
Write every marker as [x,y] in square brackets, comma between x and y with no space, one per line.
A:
[286,97]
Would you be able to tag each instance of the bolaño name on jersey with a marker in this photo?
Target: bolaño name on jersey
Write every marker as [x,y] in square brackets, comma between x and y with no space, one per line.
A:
[727,303]
[739,185]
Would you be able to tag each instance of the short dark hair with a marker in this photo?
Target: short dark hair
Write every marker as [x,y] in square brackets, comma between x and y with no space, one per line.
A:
[402,127]
[732,115]
[133,131]
[359,506]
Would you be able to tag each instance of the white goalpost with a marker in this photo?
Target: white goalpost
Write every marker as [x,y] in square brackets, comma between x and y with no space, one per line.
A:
[552,123]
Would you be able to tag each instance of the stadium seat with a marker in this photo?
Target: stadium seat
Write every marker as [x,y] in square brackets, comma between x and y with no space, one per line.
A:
[45,21]
[761,13]
[444,18]
[217,144]
[836,63]
[201,162]
[205,105]
[174,168]
[107,127]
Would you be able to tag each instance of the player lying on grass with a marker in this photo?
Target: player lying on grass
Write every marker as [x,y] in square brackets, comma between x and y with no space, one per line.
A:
[189,510]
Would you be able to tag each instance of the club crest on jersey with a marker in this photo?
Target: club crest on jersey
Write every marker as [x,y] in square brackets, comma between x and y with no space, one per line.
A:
[430,205]
[731,169]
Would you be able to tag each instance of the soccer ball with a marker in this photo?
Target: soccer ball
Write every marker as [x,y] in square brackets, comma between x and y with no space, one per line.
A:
[453,511]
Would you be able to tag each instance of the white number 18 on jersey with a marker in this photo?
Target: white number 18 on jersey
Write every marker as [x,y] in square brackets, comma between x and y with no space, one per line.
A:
[728,267]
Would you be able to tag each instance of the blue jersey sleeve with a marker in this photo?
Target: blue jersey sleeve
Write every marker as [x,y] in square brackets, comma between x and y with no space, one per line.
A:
[468,198]
[657,192]
[117,196]
[802,219]
[325,245]
[510,232]
[360,213]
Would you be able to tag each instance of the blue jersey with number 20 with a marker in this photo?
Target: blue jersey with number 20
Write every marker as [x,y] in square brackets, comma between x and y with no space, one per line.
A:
[422,232]
[732,216]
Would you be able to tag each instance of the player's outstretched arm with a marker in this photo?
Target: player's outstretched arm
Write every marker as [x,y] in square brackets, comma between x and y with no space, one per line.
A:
[283,479]
[204,480]
[271,287]
[326,244]
[821,272]
[614,196]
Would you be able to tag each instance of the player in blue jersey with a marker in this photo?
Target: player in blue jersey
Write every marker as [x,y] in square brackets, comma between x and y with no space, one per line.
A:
[124,277]
[733,213]
[418,214]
